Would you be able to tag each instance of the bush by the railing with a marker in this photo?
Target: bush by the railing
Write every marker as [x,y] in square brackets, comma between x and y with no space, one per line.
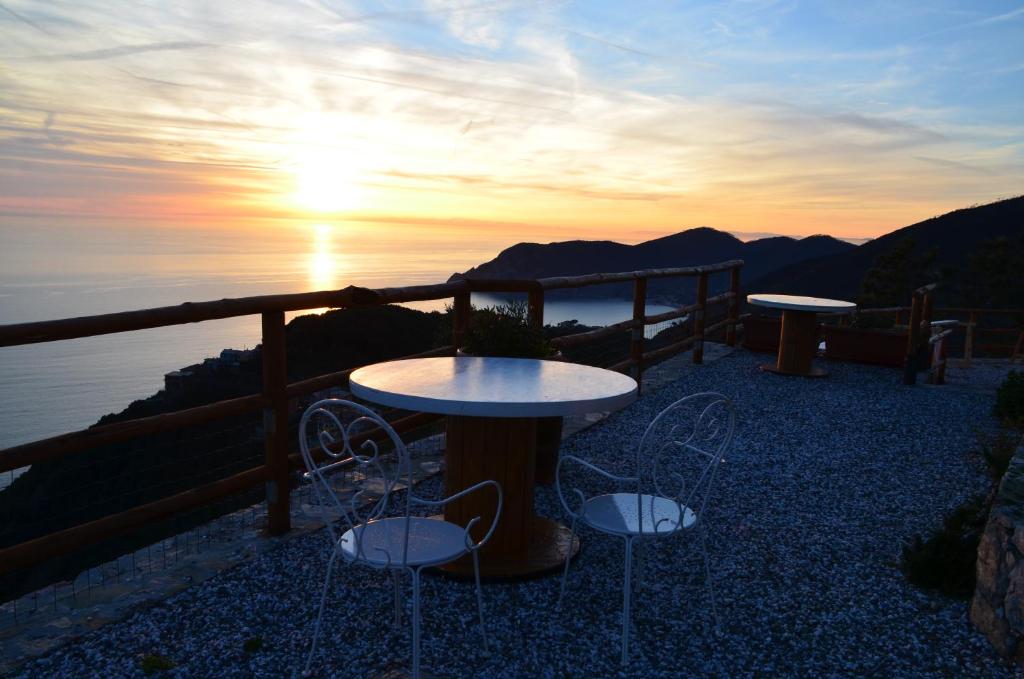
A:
[946,560]
[1010,400]
[505,330]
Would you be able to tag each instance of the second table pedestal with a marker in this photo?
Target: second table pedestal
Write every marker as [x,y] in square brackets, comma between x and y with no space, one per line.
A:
[798,344]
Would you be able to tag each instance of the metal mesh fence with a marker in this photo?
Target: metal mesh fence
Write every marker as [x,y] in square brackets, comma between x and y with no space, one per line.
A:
[201,540]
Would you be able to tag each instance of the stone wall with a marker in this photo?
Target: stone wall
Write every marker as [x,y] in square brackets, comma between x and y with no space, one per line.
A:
[997,608]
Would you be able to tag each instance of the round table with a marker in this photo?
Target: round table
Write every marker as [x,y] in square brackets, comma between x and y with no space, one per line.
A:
[492,406]
[798,341]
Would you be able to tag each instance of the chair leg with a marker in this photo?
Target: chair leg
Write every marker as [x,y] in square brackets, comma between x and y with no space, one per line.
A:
[398,598]
[415,623]
[320,613]
[568,557]
[626,591]
[638,567]
[709,585]
[480,600]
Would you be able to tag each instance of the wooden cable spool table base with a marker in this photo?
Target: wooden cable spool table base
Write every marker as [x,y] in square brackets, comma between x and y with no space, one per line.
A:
[798,345]
[798,339]
[503,449]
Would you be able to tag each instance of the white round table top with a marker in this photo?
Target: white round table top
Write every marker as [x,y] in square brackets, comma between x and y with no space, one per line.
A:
[492,387]
[800,303]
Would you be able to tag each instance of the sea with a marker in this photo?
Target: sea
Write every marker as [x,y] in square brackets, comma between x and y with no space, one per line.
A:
[61,271]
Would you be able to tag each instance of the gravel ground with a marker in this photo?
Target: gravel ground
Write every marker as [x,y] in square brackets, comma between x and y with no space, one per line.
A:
[827,479]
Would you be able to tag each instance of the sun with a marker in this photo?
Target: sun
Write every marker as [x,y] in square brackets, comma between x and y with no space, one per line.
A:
[324,183]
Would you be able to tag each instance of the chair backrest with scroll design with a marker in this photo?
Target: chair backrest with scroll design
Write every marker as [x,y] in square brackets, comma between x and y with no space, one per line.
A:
[679,454]
[354,460]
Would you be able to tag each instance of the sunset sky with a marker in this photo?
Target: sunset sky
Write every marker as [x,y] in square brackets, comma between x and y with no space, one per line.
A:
[532,120]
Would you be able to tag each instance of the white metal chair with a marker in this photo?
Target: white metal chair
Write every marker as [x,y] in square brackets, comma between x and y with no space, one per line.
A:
[355,511]
[666,495]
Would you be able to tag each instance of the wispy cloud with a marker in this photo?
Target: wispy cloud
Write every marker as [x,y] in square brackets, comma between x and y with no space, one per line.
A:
[28,22]
[120,51]
[1012,15]
[593,119]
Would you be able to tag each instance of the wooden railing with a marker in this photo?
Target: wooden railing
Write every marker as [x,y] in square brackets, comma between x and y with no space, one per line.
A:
[929,325]
[919,330]
[273,401]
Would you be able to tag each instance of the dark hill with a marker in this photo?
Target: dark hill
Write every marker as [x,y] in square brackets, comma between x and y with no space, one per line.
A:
[569,258]
[954,235]
[702,245]
[115,477]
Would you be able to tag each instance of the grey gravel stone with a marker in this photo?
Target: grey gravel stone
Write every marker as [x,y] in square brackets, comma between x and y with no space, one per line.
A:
[827,479]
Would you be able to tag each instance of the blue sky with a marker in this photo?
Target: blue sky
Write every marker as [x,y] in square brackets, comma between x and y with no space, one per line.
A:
[614,119]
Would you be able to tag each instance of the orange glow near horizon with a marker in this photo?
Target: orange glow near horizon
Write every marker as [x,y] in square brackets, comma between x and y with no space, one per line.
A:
[495,128]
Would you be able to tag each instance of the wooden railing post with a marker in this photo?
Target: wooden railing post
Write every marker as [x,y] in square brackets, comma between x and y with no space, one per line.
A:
[972,321]
[275,423]
[926,323]
[699,318]
[535,308]
[913,341]
[734,306]
[636,342]
[461,311]
[939,371]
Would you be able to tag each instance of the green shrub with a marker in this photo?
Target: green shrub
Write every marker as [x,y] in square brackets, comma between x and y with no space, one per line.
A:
[505,331]
[946,560]
[1010,400]
[153,663]
[997,450]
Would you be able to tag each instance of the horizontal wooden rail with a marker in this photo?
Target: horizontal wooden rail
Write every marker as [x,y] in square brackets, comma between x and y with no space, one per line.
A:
[560,282]
[996,331]
[274,403]
[195,312]
[721,297]
[716,327]
[189,312]
[678,312]
[418,293]
[579,338]
[62,542]
[875,310]
[77,441]
[979,310]
[504,285]
[669,350]
[622,366]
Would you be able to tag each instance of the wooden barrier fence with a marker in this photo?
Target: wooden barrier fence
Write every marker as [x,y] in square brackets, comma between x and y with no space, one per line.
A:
[279,460]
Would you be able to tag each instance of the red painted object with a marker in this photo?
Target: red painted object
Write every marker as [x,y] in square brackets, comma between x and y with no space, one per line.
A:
[761,333]
[860,345]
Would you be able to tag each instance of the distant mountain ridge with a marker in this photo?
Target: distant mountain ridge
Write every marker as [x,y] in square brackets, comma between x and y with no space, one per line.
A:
[955,236]
[702,245]
[819,265]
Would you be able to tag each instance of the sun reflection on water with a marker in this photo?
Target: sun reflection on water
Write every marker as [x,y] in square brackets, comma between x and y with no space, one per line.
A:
[325,266]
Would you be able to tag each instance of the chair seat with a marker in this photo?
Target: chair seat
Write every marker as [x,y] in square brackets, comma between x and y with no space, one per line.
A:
[617,513]
[431,541]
